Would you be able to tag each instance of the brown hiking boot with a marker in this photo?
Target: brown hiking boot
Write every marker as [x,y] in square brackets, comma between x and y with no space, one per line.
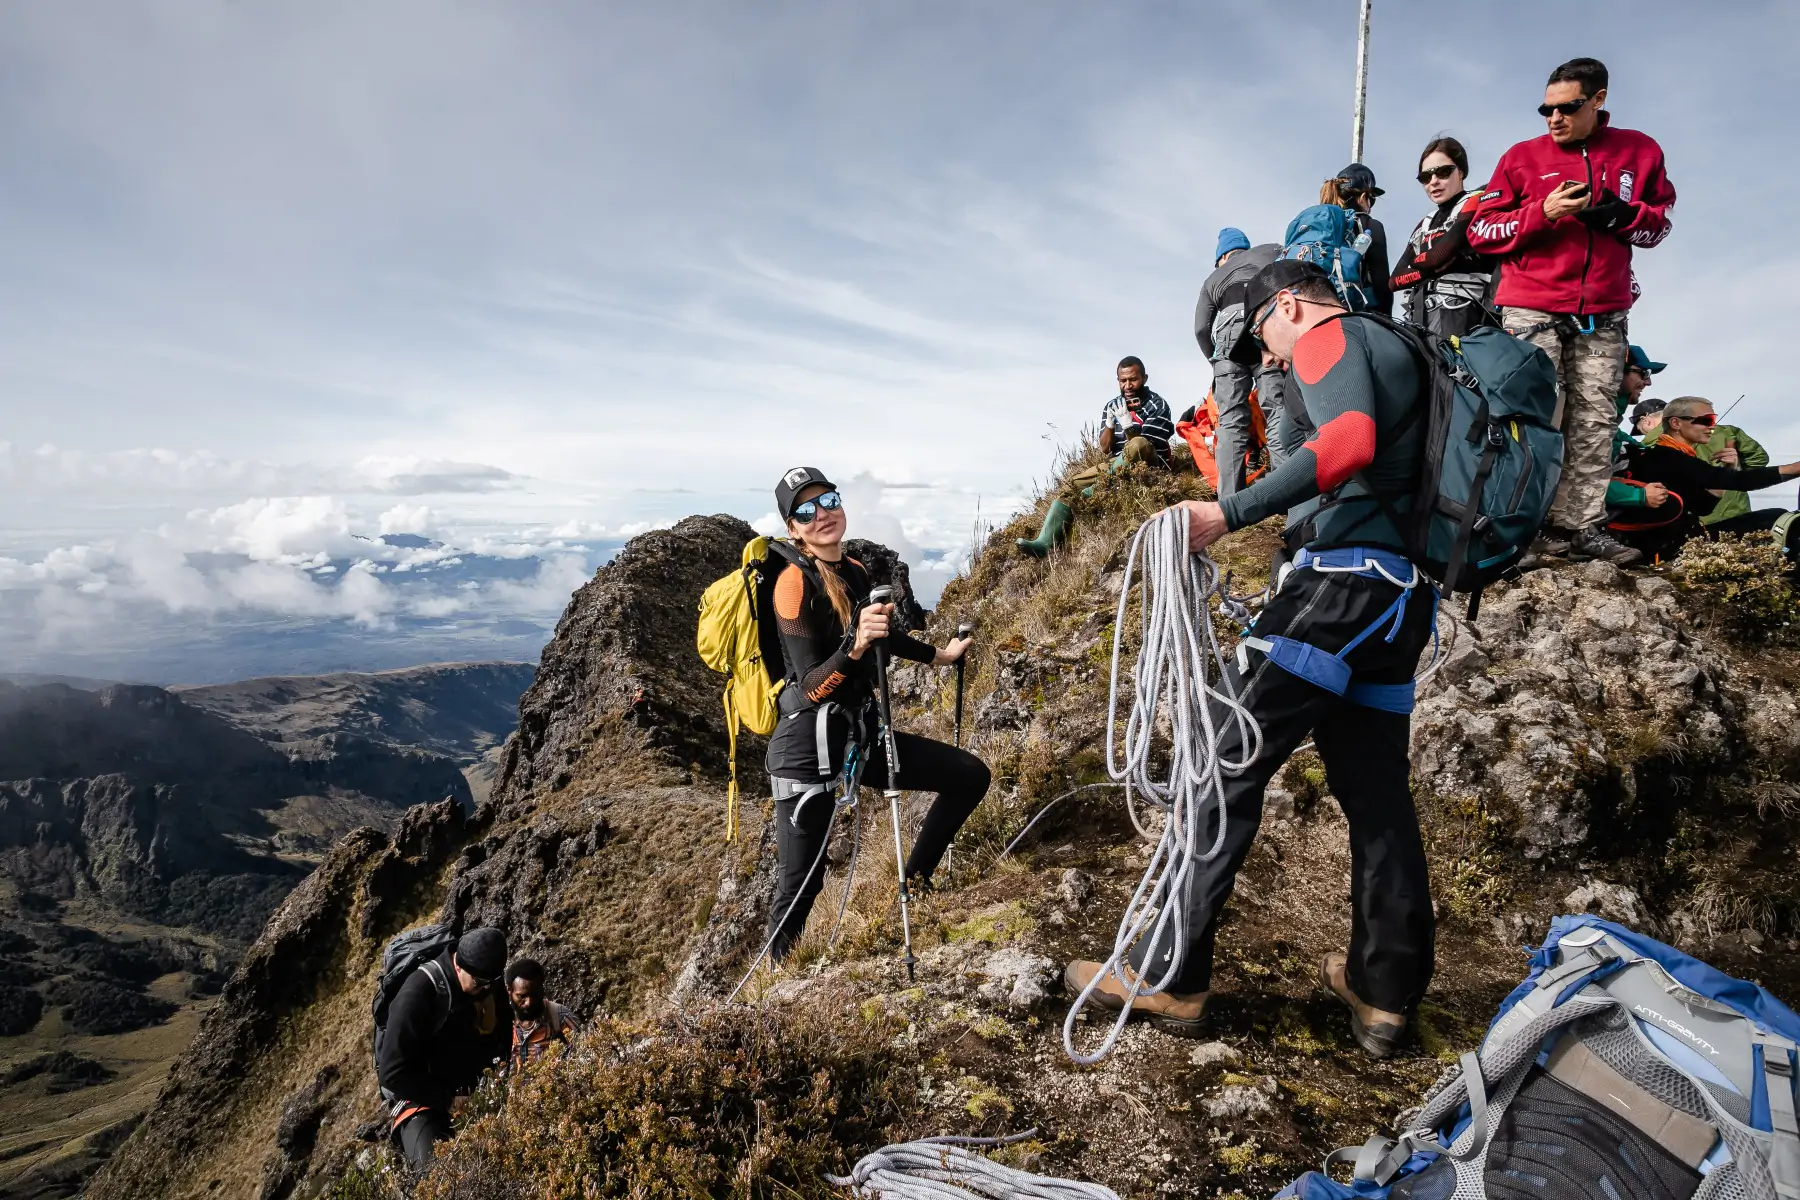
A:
[1377,1032]
[1171,1012]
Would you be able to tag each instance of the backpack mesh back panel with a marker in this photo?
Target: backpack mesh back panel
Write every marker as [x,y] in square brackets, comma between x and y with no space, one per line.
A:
[1554,1145]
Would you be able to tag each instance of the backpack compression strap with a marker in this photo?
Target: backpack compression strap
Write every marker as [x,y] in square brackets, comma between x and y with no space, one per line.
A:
[1778,1069]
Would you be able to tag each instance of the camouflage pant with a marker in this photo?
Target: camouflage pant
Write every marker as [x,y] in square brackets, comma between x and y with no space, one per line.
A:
[1589,370]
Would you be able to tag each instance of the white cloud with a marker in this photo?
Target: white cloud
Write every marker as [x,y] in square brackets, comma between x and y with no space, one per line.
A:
[407,518]
[147,471]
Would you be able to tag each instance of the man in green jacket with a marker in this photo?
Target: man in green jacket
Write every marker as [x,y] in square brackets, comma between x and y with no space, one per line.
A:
[1730,446]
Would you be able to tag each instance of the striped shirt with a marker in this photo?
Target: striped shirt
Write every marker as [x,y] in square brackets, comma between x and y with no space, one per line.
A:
[1150,419]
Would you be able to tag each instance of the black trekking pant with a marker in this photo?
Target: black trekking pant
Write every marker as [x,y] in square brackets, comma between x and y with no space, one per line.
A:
[1392,929]
[959,779]
[420,1135]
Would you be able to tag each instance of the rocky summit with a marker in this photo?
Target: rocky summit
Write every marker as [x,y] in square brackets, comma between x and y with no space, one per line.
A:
[1586,743]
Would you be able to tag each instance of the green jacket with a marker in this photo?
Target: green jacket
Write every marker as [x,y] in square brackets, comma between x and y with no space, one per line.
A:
[1623,495]
[1750,454]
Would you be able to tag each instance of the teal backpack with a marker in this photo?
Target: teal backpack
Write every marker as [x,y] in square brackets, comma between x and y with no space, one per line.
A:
[1491,454]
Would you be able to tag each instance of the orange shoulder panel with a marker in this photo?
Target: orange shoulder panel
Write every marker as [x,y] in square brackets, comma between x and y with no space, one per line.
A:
[1318,350]
[790,592]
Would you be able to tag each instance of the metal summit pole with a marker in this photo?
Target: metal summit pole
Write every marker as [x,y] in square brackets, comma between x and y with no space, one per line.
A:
[1362,83]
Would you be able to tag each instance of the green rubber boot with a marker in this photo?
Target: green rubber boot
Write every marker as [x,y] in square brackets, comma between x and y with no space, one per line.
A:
[1056,524]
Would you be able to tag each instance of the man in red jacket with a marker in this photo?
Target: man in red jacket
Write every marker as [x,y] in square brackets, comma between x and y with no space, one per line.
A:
[1563,213]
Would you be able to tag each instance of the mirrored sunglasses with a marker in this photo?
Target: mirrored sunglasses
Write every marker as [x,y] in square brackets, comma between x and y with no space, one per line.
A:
[804,513]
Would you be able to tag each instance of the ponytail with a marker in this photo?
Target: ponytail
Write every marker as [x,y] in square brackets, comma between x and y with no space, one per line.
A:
[1332,192]
[835,589]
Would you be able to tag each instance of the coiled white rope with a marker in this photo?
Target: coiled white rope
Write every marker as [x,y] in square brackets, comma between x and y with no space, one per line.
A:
[944,1169]
[1180,674]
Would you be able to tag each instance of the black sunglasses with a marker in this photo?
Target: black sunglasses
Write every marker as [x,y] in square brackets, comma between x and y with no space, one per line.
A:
[1427,174]
[1567,108]
[804,513]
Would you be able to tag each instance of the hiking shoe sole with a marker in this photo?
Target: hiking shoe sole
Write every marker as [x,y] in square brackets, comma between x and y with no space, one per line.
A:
[1379,1040]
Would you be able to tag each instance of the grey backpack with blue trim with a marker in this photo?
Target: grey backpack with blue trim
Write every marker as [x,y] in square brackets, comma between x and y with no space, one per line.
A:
[1621,1069]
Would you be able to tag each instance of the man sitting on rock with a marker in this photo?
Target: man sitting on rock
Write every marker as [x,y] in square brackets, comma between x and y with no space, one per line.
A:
[1135,427]
[446,1026]
[538,1024]
[1673,460]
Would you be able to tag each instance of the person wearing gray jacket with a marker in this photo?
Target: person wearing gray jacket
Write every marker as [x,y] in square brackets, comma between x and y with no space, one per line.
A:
[1218,322]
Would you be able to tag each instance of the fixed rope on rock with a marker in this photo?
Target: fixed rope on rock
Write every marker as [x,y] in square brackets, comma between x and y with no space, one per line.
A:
[946,1168]
[1179,676]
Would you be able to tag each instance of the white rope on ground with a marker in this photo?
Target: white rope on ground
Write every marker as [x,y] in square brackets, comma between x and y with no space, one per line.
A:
[1180,674]
[944,1168]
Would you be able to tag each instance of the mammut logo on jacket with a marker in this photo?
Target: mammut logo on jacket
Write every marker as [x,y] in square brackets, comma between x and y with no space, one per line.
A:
[1676,1027]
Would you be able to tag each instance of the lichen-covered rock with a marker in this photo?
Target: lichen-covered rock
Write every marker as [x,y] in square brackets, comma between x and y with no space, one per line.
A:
[1016,978]
[1567,681]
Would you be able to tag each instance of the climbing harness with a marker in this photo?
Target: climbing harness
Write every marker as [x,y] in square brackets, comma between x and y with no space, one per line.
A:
[944,1168]
[1179,660]
[1331,671]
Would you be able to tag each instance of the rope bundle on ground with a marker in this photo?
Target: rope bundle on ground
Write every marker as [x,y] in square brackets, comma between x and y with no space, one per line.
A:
[944,1169]
[1180,671]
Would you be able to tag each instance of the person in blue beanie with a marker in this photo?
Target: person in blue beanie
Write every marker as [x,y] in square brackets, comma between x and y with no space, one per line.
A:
[1218,322]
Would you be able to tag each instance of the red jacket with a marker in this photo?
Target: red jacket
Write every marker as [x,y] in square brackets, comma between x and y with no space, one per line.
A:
[1563,266]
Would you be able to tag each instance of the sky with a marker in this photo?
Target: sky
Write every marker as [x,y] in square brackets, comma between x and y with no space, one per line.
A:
[517,282]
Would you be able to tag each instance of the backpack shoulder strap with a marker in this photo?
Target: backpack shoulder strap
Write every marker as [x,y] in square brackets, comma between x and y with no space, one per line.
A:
[432,971]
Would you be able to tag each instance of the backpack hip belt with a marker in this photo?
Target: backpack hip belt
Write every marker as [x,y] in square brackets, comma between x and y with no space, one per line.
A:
[1330,671]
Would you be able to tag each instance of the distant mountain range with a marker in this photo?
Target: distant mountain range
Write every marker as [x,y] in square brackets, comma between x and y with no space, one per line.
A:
[145,835]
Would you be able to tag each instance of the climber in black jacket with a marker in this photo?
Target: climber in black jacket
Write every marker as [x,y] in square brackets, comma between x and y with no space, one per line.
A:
[446,1025]
[828,635]
[1670,460]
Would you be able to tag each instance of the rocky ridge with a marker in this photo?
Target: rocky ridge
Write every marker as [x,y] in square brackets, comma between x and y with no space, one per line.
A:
[1581,746]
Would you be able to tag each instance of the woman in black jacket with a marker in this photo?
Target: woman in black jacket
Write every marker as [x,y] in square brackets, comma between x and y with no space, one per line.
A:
[1449,288]
[829,634]
[1693,483]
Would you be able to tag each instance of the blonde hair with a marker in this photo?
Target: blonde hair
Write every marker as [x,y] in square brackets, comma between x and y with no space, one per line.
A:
[1685,408]
[836,590]
[1332,191]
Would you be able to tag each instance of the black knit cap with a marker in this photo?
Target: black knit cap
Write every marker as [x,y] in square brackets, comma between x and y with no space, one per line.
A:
[482,953]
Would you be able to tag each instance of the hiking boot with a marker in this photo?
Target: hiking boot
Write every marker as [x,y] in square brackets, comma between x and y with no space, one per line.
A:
[1377,1032]
[1551,542]
[1171,1012]
[1056,524]
[1596,542]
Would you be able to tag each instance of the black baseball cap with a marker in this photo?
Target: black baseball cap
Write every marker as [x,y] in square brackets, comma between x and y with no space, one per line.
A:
[1644,408]
[1359,178]
[1263,287]
[792,484]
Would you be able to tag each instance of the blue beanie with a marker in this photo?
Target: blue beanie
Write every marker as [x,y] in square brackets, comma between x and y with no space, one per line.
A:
[1230,238]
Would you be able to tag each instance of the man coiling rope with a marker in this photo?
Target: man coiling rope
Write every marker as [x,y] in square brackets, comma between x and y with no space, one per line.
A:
[1179,661]
[943,1169]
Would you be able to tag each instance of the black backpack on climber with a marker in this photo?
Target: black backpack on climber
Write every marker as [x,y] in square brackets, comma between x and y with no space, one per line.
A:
[406,952]
[735,640]
[1491,454]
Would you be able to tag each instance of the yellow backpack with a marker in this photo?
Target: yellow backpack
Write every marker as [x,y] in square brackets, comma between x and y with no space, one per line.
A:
[735,641]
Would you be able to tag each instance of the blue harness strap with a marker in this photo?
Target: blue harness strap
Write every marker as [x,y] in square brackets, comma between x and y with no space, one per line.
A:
[1331,671]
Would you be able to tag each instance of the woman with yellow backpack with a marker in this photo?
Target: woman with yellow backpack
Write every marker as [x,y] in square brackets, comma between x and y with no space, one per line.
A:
[828,634]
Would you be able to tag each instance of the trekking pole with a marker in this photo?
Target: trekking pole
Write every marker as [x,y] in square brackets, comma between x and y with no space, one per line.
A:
[962,631]
[882,595]
[1734,404]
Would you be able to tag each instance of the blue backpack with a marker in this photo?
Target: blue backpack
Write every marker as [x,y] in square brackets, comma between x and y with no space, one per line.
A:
[1620,1069]
[1327,236]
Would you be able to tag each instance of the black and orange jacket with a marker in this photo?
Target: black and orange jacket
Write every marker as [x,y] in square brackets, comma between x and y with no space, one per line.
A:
[820,670]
